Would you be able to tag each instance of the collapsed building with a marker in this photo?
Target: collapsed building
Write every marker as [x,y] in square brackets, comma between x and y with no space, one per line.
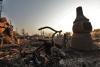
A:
[6,31]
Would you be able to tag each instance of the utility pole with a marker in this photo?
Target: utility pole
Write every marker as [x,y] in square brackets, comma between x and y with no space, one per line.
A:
[1,7]
[1,38]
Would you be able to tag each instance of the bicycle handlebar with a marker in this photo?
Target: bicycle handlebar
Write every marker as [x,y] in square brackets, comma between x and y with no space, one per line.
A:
[55,31]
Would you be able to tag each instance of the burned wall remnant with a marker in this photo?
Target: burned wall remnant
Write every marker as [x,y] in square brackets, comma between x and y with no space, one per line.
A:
[81,38]
[6,31]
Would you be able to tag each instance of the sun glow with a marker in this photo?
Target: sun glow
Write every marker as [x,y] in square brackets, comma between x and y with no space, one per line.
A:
[64,22]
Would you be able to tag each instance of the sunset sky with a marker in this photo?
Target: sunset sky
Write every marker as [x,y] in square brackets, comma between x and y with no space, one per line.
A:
[59,14]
